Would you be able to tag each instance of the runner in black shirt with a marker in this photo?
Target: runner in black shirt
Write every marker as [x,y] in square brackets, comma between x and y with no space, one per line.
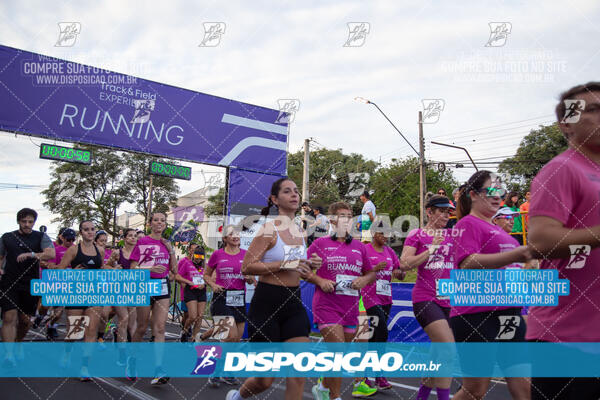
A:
[22,249]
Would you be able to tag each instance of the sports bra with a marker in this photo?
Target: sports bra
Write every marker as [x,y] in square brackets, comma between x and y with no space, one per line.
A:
[124,262]
[88,262]
[278,253]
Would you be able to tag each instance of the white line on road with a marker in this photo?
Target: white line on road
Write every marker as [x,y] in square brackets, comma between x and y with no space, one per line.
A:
[138,394]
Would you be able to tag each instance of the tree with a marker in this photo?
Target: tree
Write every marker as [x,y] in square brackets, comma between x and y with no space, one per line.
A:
[93,192]
[78,192]
[329,174]
[164,192]
[535,150]
[397,186]
[216,204]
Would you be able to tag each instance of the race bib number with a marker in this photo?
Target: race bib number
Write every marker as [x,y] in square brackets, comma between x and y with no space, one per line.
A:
[437,290]
[383,287]
[292,256]
[343,285]
[164,287]
[235,298]
[198,280]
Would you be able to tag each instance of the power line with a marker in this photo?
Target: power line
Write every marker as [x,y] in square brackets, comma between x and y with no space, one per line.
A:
[496,126]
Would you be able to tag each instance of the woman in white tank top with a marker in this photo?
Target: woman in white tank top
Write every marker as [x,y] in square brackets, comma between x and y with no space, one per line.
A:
[278,255]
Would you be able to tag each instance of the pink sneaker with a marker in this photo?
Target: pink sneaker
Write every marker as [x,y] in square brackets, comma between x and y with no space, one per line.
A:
[370,383]
[382,384]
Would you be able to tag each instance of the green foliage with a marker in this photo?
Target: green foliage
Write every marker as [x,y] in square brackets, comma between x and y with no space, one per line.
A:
[216,204]
[329,174]
[397,186]
[79,192]
[164,192]
[535,150]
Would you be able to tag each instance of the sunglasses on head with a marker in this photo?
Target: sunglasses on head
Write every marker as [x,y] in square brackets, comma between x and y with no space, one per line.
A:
[493,191]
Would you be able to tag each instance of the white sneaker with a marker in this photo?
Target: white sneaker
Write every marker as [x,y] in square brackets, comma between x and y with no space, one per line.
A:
[231,395]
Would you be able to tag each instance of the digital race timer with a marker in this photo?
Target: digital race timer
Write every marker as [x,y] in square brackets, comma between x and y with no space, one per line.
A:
[68,154]
[170,170]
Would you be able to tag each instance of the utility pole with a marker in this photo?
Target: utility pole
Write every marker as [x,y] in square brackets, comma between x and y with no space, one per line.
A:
[422,180]
[149,204]
[305,172]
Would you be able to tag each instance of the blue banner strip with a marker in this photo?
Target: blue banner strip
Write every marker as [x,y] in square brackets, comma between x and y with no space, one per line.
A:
[301,359]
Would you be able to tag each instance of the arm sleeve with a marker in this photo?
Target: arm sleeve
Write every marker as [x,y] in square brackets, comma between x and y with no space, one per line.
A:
[469,242]
[412,239]
[135,253]
[314,249]
[367,266]
[182,268]
[545,187]
[395,259]
[214,258]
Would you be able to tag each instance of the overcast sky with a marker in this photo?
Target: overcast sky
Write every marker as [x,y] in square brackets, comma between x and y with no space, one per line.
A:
[295,50]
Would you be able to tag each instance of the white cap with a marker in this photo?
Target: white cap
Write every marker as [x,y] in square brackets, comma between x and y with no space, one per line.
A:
[505,211]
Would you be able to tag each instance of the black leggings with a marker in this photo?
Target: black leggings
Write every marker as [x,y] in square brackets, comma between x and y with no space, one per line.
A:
[381,331]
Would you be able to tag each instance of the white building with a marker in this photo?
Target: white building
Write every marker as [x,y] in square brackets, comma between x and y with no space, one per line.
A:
[189,207]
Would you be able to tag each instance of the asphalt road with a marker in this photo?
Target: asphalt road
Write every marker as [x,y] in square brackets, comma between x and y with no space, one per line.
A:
[182,388]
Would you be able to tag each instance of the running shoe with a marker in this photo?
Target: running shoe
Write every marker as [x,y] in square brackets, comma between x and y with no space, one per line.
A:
[318,393]
[114,333]
[51,333]
[130,369]
[160,379]
[185,337]
[383,384]
[361,389]
[370,383]
[37,321]
[213,382]
[84,375]
[231,394]
[229,381]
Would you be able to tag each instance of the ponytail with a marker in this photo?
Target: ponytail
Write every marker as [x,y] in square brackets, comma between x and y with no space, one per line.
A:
[275,188]
[463,206]
[265,210]
[475,183]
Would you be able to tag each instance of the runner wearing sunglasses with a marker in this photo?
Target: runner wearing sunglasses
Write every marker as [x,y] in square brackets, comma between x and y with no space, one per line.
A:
[483,245]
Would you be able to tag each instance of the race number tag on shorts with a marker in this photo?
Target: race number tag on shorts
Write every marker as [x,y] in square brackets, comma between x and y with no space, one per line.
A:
[344,285]
[235,298]
[164,288]
[437,290]
[198,280]
[383,287]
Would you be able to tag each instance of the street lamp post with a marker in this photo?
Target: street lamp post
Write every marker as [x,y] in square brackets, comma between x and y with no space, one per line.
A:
[420,154]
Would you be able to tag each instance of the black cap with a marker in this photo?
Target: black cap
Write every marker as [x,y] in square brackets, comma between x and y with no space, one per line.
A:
[441,202]
[68,233]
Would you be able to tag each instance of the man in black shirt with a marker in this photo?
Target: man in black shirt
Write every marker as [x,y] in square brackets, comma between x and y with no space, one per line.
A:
[22,250]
